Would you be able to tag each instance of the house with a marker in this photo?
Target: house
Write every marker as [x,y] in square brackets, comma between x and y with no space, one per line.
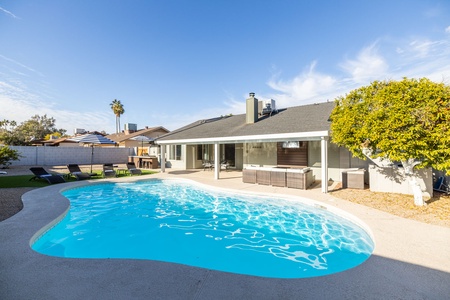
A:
[65,141]
[130,138]
[293,137]
[59,142]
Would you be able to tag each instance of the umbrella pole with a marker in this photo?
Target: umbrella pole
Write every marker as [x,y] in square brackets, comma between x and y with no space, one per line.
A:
[92,155]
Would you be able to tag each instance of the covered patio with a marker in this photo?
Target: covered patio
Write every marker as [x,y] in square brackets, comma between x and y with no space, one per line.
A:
[322,136]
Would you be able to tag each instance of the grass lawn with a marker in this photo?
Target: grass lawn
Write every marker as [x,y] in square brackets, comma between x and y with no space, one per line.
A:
[24,180]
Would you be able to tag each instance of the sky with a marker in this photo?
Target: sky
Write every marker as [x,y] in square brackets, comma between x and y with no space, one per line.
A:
[173,62]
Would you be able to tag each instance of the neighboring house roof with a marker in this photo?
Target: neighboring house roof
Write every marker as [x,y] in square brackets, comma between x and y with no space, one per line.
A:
[56,142]
[307,122]
[120,137]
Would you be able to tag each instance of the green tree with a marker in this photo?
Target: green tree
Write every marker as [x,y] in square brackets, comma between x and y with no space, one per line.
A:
[405,121]
[8,135]
[7,155]
[33,129]
[118,110]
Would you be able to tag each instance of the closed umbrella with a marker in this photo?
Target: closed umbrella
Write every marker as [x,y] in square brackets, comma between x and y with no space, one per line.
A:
[92,139]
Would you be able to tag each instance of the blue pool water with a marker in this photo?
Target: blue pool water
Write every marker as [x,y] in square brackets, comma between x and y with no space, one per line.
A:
[176,221]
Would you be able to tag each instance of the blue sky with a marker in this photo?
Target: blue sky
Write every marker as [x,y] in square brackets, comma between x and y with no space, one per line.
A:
[177,61]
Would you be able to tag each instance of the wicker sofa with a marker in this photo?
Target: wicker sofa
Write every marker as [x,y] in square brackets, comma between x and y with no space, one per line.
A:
[299,178]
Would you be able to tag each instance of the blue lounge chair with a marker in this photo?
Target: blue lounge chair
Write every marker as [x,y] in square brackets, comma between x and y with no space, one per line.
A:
[441,186]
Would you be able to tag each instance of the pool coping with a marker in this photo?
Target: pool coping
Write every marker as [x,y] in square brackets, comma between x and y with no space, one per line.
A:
[411,260]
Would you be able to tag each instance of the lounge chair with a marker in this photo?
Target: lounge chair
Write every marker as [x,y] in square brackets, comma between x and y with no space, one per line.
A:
[75,171]
[41,173]
[441,186]
[55,179]
[131,166]
[108,171]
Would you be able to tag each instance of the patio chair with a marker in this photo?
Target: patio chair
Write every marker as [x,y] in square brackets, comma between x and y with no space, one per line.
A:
[41,173]
[131,166]
[207,165]
[441,186]
[75,171]
[224,165]
[108,171]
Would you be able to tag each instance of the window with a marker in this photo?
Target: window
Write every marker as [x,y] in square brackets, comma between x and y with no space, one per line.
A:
[175,152]
[199,152]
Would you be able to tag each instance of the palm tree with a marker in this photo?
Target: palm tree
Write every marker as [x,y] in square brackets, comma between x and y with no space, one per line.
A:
[118,110]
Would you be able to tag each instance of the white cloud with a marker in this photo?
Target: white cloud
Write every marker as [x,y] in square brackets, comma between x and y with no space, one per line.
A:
[447,30]
[422,48]
[8,13]
[424,58]
[306,87]
[16,63]
[367,66]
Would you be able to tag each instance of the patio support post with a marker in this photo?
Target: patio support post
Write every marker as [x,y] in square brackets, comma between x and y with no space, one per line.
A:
[163,158]
[216,161]
[324,163]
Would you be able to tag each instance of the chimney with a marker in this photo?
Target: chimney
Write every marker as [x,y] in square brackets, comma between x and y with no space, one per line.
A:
[251,109]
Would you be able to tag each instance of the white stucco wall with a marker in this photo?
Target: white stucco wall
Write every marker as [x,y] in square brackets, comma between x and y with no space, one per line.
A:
[50,156]
[176,164]
[393,180]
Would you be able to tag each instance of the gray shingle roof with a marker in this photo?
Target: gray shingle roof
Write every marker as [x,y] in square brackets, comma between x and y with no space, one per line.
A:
[306,118]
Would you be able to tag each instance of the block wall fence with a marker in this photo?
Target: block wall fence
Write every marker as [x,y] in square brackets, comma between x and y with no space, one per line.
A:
[52,156]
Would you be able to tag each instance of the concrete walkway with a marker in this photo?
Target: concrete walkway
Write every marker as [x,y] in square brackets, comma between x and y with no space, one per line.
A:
[411,260]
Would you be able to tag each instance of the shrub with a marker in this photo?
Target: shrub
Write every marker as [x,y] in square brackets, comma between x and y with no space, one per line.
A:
[7,155]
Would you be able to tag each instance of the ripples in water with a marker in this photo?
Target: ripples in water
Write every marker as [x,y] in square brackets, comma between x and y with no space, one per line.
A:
[179,222]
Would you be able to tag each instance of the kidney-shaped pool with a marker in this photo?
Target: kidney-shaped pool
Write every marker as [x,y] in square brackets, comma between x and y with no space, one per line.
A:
[181,222]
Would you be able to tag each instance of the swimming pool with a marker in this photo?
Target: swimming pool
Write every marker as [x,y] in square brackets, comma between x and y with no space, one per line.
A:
[179,222]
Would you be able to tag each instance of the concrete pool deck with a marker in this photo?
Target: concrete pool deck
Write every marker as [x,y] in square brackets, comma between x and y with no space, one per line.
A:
[411,260]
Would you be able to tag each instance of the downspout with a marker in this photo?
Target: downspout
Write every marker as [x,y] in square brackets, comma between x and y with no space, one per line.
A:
[324,160]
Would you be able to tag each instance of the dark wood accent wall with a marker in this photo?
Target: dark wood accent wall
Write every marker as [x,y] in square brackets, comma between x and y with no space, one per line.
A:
[292,156]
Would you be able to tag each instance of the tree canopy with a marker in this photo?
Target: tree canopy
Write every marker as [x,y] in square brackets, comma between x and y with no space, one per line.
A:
[398,120]
[33,129]
[118,110]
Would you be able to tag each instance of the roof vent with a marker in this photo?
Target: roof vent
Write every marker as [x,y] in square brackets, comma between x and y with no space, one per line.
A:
[270,108]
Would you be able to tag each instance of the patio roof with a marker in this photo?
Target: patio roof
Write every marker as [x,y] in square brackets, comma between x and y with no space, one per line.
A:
[307,122]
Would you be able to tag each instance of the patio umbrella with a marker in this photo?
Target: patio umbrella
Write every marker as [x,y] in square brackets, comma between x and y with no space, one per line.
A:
[143,139]
[92,139]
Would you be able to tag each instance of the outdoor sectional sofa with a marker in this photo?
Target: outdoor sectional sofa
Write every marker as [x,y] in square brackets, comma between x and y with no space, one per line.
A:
[299,178]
